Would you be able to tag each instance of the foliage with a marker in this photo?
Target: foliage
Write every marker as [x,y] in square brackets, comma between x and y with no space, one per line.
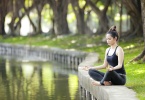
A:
[28,3]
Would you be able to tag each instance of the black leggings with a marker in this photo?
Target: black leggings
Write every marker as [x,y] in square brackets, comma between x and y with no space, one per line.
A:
[113,76]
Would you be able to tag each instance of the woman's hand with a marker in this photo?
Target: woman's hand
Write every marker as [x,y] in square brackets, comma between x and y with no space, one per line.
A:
[110,68]
[86,68]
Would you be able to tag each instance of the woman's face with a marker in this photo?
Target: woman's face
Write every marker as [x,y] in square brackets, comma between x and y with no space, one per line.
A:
[110,39]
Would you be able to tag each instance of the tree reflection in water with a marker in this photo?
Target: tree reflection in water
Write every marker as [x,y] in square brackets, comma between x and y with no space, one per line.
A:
[36,81]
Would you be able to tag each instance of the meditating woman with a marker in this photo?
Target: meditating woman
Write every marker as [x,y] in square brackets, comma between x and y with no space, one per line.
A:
[113,62]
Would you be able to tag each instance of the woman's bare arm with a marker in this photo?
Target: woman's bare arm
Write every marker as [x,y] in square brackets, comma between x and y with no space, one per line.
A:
[120,54]
[104,65]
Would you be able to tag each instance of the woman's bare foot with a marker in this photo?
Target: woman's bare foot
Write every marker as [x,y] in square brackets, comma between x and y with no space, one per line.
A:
[107,83]
[96,83]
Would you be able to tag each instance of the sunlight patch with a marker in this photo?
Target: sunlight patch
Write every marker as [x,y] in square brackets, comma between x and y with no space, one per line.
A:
[130,46]
[90,45]
[73,41]
[139,71]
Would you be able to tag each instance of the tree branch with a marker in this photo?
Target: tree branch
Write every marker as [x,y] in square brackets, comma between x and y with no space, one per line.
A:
[107,3]
[94,7]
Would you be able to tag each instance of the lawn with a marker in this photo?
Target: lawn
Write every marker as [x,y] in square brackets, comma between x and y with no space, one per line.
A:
[132,47]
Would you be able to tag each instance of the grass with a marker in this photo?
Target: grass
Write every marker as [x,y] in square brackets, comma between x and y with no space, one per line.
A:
[135,71]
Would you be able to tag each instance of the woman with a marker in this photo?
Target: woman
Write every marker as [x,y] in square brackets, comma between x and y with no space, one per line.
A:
[114,62]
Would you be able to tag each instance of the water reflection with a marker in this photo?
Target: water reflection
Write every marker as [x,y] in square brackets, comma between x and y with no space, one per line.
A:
[36,81]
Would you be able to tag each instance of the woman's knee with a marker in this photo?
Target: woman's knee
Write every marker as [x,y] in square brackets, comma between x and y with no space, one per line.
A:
[91,72]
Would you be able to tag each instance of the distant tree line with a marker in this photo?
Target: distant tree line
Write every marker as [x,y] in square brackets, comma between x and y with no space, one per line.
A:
[82,9]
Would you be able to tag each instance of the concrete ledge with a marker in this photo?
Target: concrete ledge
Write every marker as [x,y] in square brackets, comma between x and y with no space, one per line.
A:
[71,58]
[102,92]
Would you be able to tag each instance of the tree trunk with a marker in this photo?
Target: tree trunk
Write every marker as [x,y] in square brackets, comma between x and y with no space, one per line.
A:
[142,54]
[14,16]
[22,15]
[34,27]
[81,24]
[103,24]
[143,19]
[3,11]
[2,23]
[60,16]
[39,4]
[121,12]
[134,10]
[103,20]
[15,9]
[39,30]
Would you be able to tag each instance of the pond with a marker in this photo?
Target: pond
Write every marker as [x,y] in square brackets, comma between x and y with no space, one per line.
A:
[37,80]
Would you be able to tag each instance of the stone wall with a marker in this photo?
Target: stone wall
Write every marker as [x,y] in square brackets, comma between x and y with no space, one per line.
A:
[25,52]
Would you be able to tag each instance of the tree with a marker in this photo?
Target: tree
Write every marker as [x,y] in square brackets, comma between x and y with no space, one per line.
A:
[39,7]
[28,15]
[14,10]
[134,10]
[60,8]
[102,14]
[17,14]
[3,12]
[20,16]
[142,54]
[80,17]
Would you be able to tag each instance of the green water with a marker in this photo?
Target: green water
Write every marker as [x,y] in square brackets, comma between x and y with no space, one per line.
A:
[31,80]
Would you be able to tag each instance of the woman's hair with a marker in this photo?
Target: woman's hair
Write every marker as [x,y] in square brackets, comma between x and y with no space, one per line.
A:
[112,31]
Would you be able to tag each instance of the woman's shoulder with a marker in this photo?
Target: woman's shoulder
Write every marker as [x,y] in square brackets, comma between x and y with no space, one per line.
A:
[119,48]
[107,49]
